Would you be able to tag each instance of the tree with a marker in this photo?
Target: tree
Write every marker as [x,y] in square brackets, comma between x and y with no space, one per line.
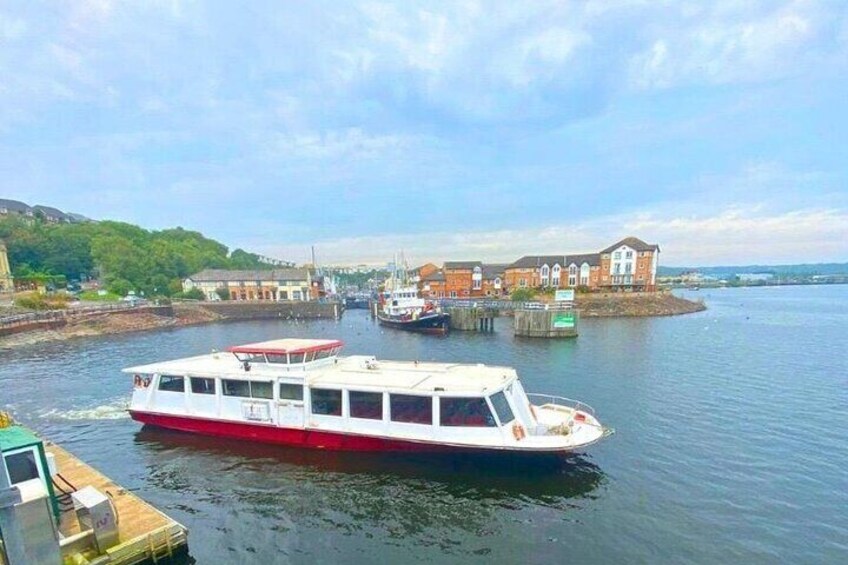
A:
[121,287]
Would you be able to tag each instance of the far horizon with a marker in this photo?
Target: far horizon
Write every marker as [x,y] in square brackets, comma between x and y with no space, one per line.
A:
[716,131]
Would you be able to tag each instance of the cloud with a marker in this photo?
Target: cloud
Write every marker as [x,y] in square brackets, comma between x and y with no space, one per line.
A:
[736,235]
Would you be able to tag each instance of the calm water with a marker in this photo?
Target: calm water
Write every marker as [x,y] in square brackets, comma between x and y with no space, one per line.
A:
[731,444]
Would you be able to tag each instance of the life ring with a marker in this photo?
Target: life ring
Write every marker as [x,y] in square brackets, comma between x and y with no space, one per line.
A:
[518,431]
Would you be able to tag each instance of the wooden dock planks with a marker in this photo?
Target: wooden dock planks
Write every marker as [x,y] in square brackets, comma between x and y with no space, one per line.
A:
[142,528]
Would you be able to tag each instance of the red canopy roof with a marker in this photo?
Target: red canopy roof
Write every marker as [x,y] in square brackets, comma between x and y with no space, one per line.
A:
[289,345]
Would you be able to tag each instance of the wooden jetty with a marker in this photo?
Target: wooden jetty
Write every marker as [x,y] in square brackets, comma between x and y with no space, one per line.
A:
[145,534]
[57,509]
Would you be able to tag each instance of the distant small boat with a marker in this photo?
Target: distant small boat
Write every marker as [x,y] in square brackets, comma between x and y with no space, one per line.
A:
[401,309]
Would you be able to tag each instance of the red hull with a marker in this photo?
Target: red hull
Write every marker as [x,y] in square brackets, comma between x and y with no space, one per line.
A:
[291,436]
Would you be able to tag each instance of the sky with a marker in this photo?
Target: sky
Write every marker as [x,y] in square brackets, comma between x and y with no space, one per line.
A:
[449,130]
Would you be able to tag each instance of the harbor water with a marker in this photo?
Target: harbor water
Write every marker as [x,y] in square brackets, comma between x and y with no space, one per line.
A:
[730,444]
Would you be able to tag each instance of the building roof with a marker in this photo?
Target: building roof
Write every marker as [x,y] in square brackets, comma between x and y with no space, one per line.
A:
[14,205]
[494,270]
[462,264]
[634,243]
[537,261]
[593,259]
[418,269]
[226,275]
[437,276]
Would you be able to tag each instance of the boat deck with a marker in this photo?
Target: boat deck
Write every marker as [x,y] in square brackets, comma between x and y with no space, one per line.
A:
[145,533]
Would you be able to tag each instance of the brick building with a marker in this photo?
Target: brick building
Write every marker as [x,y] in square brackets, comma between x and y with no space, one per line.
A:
[630,264]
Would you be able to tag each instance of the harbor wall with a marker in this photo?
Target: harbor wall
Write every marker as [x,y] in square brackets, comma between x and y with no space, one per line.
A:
[472,319]
[56,319]
[241,310]
[545,323]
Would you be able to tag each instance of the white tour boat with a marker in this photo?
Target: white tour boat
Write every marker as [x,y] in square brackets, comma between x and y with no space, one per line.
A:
[299,392]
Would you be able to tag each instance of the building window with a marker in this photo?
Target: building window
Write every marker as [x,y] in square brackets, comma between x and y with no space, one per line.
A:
[628,267]
[476,284]
[522,282]
[628,255]
[411,409]
[171,383]
[466,412]
[326,402]
[368,405]
[572,280]
[453,294]
[616,255]
[295,295]
[201,385]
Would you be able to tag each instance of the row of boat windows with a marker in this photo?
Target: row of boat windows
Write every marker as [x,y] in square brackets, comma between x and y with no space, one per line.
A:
[287,359]
[403,408]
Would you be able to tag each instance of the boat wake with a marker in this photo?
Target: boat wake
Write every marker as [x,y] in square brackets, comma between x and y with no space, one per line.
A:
[113,411]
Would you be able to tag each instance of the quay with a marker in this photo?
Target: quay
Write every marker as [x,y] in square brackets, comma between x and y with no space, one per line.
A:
[55,508]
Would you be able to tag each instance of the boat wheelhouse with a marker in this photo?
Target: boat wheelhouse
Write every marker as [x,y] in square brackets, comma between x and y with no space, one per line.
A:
[299,392]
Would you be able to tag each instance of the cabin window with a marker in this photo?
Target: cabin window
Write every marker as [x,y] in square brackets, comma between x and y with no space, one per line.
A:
[248,389]
[296,357]
[251,357]
[411,409]
[236,388]
[310,356]
[171,384]
[502,408]
[326,401]
[323,353]
[22,466]
[202,385]
[467,412]
[289,391]
[279,358]
[367,405]
[261,389]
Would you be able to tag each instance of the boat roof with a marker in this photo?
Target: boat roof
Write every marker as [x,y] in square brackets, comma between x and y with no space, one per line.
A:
[358,371]
[287,345]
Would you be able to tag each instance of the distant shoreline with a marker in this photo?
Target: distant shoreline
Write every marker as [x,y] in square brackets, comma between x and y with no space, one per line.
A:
[613,305]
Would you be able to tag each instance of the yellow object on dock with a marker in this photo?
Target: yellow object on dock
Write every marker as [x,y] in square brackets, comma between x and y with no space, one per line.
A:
[145,535]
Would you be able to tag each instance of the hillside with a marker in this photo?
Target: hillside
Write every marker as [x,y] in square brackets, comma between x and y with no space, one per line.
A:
[123,256]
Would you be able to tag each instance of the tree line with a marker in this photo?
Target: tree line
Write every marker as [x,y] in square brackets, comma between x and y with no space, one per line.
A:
[122,256]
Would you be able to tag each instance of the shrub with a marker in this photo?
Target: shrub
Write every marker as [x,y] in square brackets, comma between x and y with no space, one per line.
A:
[223,293]
[522,294]
[121,287]
[36,301]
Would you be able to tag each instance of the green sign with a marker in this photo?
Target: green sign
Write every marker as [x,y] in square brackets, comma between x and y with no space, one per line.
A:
[563,320]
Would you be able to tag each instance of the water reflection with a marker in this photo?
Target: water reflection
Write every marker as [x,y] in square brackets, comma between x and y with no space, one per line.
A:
[421,499]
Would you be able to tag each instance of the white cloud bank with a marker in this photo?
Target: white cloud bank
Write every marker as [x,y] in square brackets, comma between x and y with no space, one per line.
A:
[733,236]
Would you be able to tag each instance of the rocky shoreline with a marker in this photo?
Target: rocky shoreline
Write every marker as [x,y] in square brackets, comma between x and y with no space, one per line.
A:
[627,305]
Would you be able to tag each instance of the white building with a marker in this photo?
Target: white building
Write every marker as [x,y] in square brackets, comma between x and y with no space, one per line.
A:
[276,285]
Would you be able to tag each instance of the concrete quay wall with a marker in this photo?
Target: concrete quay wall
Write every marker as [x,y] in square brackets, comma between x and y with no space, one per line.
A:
[242,310]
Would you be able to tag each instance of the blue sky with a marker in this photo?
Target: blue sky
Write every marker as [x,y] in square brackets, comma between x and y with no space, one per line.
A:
[451,130]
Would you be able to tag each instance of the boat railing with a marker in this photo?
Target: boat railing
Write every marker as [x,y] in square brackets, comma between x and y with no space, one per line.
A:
[542,399]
